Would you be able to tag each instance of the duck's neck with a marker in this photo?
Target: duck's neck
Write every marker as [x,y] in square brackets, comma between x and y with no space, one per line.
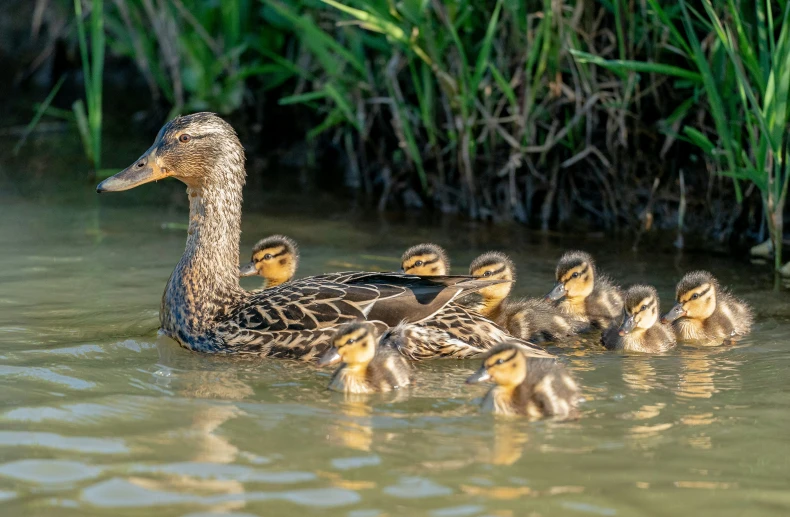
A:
[205,282]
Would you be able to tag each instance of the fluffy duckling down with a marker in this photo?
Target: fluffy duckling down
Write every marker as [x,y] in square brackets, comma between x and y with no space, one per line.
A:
[366,367]
[425,260]
[535,320]
[640,330]
[583,293]
[274,258]
[706,312]
[526,386]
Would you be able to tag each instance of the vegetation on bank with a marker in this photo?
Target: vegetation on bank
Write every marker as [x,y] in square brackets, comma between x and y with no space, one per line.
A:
[605,113]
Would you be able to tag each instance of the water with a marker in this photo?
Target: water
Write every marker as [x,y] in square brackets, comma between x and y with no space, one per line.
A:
[99,416]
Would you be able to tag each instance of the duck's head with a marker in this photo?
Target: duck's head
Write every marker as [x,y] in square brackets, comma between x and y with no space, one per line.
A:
[505,364]
[353,343]
[575,276]
[695,297]
[494,266]
[641,308]
[195,149]
[274,258]
[425,260]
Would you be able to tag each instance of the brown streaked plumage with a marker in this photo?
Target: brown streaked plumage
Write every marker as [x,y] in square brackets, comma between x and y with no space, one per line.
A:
[274,258]
[204,308]
[583,293]
[706,312]
[526,386]
[535,320]
[367,366]
[425,259]
[640,330]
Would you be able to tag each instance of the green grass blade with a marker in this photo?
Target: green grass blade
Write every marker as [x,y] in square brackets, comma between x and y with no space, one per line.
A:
[637,66]
[42,108]
[485,49]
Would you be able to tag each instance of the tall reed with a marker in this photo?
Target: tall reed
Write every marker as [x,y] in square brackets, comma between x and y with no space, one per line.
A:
[89,122]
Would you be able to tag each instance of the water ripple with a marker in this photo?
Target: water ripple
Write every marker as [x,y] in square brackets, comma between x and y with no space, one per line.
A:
[58,441]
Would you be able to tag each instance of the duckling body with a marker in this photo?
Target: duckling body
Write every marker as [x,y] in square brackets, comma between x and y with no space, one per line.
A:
[275,259]
[526,386]
[367,367]
[535,320]
[640,330]
[204,308]
[583,293]
[706,312]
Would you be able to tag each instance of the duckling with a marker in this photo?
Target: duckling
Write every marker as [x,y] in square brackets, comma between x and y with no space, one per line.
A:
[425,260]
[583,293]
[535,320]
[706,312]
[274,258]
[526,386]
[367,367]
[640,330]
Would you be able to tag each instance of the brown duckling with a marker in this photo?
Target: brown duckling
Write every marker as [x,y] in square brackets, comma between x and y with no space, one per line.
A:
[367,367]
[584,293]
[274,258]
[526,386]
[706,312]
[425,260]
[640,331]
[532,319]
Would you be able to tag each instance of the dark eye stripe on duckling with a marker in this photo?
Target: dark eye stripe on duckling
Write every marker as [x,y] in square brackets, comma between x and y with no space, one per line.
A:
[270,251]
[569,274]
[493,360]
[650,305]
[425,262]
[494,272]
[701,294]
[357,335]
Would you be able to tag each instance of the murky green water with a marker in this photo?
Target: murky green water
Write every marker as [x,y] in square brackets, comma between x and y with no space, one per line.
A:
[98,416]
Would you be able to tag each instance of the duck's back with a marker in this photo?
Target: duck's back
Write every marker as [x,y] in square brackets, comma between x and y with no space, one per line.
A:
[547,391]
[733,317]
[537,320]
[605,303]
[388,370]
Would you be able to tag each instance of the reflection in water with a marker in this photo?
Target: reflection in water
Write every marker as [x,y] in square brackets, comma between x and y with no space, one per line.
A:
[704,372]
[353,427]
[639,373]
[508,446]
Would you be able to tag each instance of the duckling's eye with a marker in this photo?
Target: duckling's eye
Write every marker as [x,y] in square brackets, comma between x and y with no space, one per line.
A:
[184,138]
[487,273]
[575,275]
[418,263]
[499,361]
[644,307]
[695,296]
[351,341]
[268,256]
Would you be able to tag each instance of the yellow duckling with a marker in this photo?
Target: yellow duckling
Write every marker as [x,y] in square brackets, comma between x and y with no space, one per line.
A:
[532,319]
[706,312]
[526,386]
[583,293]
[366,367]
[274,258]
[425,260]
[640,331]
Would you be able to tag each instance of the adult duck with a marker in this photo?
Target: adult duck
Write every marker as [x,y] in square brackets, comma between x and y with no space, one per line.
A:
[204,308]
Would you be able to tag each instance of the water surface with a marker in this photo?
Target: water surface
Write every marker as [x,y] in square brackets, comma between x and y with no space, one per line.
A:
[99,416]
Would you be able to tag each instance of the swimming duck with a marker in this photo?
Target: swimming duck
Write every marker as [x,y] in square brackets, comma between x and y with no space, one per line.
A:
[203,307]
[532,319]
[526,386]
[582,292]
[274,258]
[640,330]
[706,312]
[367,367]
[426,259]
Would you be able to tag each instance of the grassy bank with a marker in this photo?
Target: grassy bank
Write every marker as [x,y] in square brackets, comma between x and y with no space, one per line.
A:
[609,115]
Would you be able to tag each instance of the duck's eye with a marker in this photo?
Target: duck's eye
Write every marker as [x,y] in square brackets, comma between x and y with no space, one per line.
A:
[575,275]
[184,138]
[487,273]
[351,341]
[644,307]
[418,263]
[695,296]
[268,256]
[499,361]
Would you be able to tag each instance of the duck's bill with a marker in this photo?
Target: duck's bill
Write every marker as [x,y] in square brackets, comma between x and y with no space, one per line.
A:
[627,326]
[677,312]
[557,293]
[480,375]
[144,170]
[330,357]
[248,269]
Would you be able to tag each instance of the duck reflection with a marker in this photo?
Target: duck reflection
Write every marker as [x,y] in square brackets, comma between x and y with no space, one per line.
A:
[508,444]
[639,374]
[353,429]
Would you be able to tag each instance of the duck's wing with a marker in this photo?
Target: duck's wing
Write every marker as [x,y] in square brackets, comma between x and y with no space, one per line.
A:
[320,302]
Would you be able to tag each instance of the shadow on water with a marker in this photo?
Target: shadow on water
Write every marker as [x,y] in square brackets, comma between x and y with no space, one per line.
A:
[100,416]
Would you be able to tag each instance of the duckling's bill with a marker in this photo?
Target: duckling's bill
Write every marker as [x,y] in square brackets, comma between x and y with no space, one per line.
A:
[480,375]
[557,293]
[248,269]
[628,325]
[144,170]
[330,357]
[676,312]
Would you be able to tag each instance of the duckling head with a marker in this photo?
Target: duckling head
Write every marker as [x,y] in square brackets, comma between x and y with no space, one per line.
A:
[695,297]
[494,266]
[197,149]
[425,260]
[354,344]
[274,258]
[505,364]
[575,276]
[641,309]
